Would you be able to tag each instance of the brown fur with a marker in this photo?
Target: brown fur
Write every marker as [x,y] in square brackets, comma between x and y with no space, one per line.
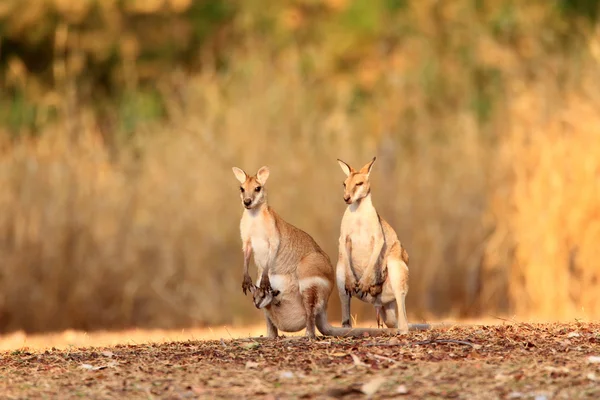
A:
[292,261]
[372,263]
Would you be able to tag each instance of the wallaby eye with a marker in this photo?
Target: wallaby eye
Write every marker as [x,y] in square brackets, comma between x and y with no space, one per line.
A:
[344,184]
[359,183]
[257,189]
[242,189]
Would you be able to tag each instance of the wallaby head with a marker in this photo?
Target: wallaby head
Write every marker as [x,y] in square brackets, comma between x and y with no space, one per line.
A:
[252,190]
[356,184]
[261,297]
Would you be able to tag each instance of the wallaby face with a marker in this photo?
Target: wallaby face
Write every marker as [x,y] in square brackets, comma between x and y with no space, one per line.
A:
[252,190]
[262,298]
[356,185]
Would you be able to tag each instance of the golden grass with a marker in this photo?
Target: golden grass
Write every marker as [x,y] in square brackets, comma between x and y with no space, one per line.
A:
[499,214]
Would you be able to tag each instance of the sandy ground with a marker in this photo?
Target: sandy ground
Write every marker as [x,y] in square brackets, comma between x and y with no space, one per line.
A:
[504,360]
[71,338]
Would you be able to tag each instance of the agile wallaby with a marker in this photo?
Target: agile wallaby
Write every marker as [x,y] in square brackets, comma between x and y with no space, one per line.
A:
[372,263]
[296,277]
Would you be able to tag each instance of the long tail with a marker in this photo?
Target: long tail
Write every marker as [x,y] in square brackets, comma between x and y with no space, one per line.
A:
[326,329]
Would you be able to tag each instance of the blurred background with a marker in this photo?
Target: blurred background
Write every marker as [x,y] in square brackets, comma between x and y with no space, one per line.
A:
[120,121]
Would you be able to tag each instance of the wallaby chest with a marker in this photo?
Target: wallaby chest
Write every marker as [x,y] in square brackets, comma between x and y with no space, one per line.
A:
[256,228]
[362,228]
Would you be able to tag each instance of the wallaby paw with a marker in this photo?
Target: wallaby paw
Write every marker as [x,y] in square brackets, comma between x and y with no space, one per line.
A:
[349,286]
[362,288]
[265,285]
[247,284]
[376,289]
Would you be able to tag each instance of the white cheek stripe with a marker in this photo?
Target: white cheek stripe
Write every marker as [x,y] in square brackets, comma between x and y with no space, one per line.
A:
[313,281]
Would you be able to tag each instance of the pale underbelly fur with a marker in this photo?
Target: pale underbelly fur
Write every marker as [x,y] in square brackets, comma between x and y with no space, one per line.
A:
[360,258]
[289,314]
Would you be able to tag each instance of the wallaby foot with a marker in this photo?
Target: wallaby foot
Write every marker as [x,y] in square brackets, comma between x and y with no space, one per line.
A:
[271,328]
[247,284]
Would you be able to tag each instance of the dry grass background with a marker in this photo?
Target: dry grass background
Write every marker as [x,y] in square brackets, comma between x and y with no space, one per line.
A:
[497,205]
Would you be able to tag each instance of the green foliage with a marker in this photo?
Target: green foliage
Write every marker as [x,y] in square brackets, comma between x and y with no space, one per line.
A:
[127,46]
[586,8]
[139,107]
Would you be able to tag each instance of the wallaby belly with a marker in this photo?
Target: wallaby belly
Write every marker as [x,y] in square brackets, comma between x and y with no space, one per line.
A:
[287,312]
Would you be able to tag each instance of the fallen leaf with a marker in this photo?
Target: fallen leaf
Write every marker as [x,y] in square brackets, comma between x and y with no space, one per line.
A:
[592,377]
[371,387]
[90,367]
[251,345]
[251,364]
[357,361]
[593,359]
[573,334]
[515,395]
[501,377]
[338,354]
[563,370]
[108,354]
[402,389]
[286,374]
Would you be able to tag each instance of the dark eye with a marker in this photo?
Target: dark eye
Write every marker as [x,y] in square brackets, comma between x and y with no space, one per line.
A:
[242,189]
[359,183]
[344,184]
[257,189]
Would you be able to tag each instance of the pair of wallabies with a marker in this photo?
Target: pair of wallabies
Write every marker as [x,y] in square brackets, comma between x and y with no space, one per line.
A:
[296,277]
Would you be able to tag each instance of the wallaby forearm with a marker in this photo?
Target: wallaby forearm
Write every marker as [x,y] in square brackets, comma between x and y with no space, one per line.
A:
[247,255]
[271,258]
[370,271]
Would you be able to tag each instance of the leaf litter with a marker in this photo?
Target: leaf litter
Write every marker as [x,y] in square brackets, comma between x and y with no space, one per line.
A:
[508,361]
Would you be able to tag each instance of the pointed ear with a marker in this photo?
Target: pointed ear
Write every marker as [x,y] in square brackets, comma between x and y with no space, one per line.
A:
[263,174]
[367,168]
[345,167]
[239,174]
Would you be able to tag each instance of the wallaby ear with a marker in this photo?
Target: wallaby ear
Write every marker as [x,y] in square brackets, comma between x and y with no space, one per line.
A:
[239,174]
[263,174]
[367,168]
[345,167]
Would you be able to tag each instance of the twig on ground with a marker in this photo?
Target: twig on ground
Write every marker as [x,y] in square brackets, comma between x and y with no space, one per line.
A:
[433,341]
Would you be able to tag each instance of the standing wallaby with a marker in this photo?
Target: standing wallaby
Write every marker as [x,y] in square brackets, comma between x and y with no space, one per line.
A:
[295,277]
[372,263]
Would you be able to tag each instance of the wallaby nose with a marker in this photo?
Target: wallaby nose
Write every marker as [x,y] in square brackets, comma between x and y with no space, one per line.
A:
[347,199]
[247,202]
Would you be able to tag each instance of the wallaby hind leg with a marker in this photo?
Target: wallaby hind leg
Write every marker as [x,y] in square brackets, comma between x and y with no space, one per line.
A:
[271,328]
[344,296]
[388,313]
[398,276]
[309,298]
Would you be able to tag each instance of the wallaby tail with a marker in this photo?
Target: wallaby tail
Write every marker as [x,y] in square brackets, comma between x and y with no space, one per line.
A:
[328,330]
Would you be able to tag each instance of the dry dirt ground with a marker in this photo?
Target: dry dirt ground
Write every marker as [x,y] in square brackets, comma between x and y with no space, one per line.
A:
[501,361]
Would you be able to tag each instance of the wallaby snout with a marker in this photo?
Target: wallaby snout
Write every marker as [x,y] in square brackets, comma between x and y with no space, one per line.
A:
[347,199]
[247,202]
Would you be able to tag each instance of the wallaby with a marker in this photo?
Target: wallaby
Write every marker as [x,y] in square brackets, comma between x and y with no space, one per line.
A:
[295,277]
[372,263]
